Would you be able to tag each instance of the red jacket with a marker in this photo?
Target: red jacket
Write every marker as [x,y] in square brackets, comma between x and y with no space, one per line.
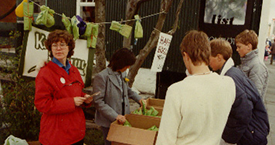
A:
[62,123]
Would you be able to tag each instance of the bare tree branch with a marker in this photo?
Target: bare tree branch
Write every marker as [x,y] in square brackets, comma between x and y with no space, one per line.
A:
[152,42]
[131,10]
[175,25]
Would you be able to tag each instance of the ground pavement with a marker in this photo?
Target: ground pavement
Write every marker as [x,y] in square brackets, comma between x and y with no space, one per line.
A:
[270,101]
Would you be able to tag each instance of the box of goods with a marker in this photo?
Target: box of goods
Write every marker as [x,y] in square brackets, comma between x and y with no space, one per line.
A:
[137,130]
[153,107]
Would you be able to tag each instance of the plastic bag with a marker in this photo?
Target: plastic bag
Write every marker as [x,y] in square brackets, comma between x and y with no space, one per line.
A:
[12,140]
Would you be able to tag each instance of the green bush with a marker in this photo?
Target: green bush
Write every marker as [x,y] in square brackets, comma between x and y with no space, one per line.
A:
[19,116]
[18,113]
[94,136]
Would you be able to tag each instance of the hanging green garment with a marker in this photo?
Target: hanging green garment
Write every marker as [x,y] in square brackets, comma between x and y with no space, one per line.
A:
[28,15]
[45,16]
[67,23]
[74,23]
[116,26]
[91,34]
[138,27]
[125,30]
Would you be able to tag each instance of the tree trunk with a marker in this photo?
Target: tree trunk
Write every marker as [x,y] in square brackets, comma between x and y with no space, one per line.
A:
[152,42]
[100,46]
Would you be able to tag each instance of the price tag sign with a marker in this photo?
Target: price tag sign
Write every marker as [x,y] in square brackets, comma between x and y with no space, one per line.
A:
[161,52]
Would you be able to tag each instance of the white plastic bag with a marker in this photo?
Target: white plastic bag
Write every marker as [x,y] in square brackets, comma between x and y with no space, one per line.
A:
[12,140]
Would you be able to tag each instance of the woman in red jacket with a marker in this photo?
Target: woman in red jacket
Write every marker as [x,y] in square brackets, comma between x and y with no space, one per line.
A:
[58,94]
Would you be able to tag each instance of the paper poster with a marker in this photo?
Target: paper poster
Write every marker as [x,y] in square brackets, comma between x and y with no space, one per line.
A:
[161,52]
[36,53]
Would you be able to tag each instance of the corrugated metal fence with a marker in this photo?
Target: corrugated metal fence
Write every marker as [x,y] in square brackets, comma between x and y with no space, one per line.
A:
[189,17]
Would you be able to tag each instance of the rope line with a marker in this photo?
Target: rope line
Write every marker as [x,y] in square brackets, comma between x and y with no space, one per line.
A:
[155,14]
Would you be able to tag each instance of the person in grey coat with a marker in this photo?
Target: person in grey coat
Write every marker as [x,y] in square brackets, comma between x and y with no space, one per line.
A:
[113,101]
[251,65]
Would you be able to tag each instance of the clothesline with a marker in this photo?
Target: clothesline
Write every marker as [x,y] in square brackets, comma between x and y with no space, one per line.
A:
[155,14]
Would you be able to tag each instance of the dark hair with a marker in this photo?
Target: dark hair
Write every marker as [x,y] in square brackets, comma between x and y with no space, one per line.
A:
[57,36]
[121,58]
[196,45]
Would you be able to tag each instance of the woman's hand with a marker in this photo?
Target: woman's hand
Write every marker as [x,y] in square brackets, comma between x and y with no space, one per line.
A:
[121,119]
[79,100]
[89,98]
[142,100]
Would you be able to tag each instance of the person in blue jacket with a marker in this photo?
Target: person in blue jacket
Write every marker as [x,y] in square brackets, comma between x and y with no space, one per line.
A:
[247,123]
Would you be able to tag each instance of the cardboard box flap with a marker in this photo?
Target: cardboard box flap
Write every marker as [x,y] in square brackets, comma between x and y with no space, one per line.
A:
[137,134]
[133,136]
[141,121]
[156,103]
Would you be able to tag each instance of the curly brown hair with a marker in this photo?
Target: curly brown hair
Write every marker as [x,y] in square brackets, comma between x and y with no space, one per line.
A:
[58,36]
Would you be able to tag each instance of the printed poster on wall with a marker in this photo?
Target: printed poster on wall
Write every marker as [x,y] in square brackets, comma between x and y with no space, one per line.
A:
[36,53]
[226,19]
[161,52]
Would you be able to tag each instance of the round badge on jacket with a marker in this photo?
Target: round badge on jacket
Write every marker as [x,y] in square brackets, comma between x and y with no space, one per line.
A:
[62,80]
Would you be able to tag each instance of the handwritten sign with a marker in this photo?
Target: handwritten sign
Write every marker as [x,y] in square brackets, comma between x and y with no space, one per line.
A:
[161,52]
[36,53]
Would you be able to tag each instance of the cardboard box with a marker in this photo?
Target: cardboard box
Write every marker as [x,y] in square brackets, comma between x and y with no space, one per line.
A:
[135,135]
[156,103]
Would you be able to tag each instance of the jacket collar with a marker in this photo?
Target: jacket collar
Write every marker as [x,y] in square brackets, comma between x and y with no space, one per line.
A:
[250,55]
[113,78]
[227,65]
[114,73]
[66,68]
[55,67]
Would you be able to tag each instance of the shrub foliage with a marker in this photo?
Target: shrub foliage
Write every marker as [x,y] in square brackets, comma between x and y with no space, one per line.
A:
[19,116]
